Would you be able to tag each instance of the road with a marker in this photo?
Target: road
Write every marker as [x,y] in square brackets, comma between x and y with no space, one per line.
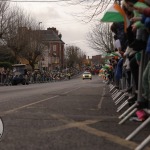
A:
[67,115]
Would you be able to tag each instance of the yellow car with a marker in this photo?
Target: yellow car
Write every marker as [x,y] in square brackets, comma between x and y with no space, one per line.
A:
[87,75]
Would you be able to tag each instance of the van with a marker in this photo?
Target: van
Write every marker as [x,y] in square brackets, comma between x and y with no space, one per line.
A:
[19,74]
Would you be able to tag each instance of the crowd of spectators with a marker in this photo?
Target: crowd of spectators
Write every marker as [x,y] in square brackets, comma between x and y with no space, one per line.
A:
[37,76]
[130,58]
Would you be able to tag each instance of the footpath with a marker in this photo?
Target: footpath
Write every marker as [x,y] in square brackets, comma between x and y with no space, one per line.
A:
[122,127]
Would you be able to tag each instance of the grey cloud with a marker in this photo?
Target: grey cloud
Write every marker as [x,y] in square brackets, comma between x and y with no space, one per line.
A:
[48,12]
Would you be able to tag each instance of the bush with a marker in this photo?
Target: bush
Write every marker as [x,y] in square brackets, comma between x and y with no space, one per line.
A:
[6,65]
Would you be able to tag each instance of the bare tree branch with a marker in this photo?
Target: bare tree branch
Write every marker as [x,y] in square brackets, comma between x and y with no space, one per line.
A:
[92,9]
[101,38]
[74,56]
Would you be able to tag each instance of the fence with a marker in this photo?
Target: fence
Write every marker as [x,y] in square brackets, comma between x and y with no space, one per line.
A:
[6,78]
[121,99]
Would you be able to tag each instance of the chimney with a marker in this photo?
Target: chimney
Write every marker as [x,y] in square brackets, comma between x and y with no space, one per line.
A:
[54,29]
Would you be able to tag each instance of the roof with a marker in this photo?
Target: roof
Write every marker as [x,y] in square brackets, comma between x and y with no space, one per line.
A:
[50,35]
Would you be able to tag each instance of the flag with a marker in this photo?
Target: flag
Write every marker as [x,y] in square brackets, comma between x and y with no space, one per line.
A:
[116,14]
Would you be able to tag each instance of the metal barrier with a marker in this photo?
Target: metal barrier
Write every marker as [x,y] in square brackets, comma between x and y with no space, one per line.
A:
[119,96]
[138,129]
[6,80]
[143,144]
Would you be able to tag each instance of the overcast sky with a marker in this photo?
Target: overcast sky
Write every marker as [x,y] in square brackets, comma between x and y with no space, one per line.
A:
[60,15]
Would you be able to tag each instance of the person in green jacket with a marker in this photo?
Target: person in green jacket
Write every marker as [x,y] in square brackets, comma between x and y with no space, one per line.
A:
[69,75]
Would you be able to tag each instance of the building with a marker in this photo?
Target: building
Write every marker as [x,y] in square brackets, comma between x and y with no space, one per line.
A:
[96,60]
[54,55]
[86,61]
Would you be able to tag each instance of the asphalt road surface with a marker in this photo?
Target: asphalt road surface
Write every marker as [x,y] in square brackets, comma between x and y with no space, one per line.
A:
[67,115]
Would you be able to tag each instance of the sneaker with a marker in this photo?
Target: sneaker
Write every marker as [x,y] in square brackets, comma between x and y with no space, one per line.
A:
[129,89]
[135,119]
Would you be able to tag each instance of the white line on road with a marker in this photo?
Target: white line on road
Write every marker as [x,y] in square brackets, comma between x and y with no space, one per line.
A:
[43,100]
[102,98]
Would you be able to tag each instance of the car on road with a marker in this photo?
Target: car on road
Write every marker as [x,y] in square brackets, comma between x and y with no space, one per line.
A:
[87,75]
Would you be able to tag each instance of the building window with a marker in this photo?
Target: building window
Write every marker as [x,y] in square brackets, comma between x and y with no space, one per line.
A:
[49,49]
[54,48]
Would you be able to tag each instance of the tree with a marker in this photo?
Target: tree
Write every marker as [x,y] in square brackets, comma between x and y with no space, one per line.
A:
[91,9]
[34,49]
[5,52]
[23,37]
[4,17]
[74,56]
[100,38]
[22,34]
[17,36]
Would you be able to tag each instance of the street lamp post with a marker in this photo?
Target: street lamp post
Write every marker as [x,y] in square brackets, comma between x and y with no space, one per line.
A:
[40,62]
[40,25]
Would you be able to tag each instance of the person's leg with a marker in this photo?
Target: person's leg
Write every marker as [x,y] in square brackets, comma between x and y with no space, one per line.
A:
[146,81]
[128,77]
[134,71]
[143,102]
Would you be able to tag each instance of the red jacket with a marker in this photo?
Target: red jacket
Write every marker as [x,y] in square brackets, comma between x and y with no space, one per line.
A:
[147,12]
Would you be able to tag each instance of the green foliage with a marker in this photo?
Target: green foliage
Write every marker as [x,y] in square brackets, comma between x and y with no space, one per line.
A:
[6,65]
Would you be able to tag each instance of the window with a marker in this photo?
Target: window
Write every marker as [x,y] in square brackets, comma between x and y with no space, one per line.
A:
[54,48]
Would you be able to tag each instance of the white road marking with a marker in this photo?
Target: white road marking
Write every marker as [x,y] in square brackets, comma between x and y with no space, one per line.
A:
[102,98]
[34,103]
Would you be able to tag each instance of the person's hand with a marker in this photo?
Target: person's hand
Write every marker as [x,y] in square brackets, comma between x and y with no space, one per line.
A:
[134,19]
[134,27]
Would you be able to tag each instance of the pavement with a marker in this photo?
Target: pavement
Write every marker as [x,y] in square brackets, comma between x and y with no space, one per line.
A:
[114,127]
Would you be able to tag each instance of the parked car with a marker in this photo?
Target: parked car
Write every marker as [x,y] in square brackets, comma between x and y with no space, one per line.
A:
[19,79]
[87,75]
[19,74]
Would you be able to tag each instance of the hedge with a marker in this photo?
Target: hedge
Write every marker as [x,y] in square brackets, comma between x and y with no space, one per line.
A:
[6,65]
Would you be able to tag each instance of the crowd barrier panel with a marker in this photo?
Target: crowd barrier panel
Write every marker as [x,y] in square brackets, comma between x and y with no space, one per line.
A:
[126,115]
[119,96]
[124,96]
[6,80]
[138,129]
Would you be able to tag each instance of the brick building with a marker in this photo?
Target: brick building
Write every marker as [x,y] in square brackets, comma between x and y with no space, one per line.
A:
[54,56]
[97,60]
[53,49]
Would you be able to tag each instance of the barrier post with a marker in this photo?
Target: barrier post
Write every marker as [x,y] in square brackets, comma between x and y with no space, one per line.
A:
[129,115]
[143,144]
[117,95]
[122,106]
[127,111]
[121,98]
[138,129]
